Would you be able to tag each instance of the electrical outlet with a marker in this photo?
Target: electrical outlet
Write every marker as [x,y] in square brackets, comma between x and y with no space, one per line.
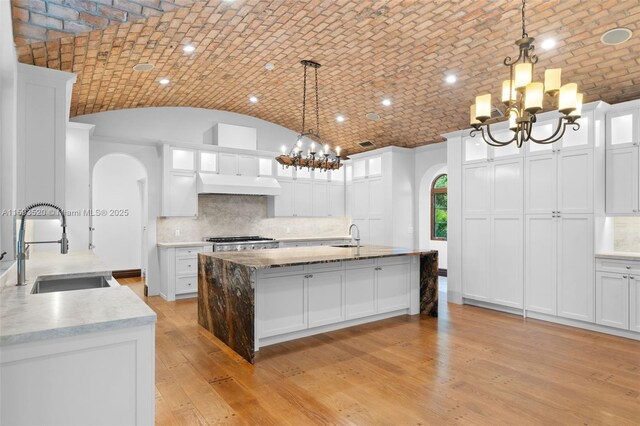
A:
[177,232]
[288,230]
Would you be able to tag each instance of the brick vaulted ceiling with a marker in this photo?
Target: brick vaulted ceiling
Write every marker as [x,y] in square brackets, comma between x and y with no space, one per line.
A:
[401,49]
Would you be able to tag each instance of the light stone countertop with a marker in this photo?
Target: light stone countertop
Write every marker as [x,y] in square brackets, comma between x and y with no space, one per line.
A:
[283,257]
[281,240]
[182,244]
[26,317]
[622,255]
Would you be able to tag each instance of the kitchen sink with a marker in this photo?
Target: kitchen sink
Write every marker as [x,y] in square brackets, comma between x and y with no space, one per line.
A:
[71,283]
[347,246]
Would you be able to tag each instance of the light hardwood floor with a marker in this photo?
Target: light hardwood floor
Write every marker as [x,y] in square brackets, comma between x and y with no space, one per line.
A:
[470,366]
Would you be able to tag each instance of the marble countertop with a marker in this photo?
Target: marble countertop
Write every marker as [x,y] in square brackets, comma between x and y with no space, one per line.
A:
[26,317]
[619,255]
[282,240]
[183,244]
[276,258]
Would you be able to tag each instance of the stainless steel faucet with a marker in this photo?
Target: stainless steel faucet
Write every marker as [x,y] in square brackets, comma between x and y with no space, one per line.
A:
[22,245]
[357,238]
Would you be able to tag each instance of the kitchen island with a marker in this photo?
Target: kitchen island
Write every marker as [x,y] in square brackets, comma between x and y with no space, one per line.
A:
[256,298]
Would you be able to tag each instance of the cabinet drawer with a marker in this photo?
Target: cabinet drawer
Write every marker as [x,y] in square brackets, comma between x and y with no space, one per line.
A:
[394,260]
[365,263]
[276,272]
[188,251]
[187,284]
[187,265]
[618,265]
[329,266]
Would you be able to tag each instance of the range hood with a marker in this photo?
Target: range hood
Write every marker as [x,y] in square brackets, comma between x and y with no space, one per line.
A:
[211,183]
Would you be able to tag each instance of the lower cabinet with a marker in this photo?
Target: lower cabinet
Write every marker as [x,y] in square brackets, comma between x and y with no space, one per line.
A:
[326,294]
[618,293]
[179,271]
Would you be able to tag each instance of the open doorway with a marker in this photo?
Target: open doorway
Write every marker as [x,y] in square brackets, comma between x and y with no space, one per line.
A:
[119,223]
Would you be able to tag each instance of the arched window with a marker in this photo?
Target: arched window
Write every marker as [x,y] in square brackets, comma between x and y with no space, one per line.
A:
[439,208]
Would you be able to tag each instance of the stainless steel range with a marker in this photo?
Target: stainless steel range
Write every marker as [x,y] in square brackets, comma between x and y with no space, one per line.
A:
[252,242]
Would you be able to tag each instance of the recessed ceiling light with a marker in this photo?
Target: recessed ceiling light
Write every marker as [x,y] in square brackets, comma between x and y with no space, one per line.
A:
[253,99]
[386,102]
[340,118]
[548,44]
[189,48]
[269,66]
[143,67]
[616,36]
[451,79]
[373,116]
[164,81]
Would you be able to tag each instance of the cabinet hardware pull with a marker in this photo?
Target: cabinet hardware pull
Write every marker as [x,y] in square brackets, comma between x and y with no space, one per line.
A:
[624,276]
[631,277]
[628,267]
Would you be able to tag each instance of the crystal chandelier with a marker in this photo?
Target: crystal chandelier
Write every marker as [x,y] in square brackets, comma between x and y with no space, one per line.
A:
[323,160]
[523,99]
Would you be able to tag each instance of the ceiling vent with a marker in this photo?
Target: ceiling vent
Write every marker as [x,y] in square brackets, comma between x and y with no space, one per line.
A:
[143,67]
[496,113]
[366,144]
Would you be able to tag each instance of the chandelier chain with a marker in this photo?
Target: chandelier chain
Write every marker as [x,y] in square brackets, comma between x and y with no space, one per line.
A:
[304,98]
[317,107]
[524,32]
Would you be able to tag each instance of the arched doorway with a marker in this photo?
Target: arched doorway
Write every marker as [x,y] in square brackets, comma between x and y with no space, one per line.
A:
[119,204]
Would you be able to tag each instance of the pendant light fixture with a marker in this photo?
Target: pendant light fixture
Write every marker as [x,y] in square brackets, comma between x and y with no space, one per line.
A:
[524,97]
[324,159]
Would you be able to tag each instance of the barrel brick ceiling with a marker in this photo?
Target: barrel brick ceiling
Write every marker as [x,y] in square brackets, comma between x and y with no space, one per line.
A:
[369,50]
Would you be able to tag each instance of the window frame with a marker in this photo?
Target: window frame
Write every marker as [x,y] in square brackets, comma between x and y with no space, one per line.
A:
[434,192]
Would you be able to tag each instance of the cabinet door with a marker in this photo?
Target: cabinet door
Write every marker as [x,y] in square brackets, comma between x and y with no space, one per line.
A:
[320,199]
[302,198]
[247,165]
[283,203]
[540,263]
[612,300]
[507,186]
[360,199]
[476,188]
[575,267]
[581,138]
[507,261]
[183,159]
[360,292]
[634,303]
[326,298]
[475,149]
[374,166]
[377,197]
[541,131]
[377,233]
[623,128]
[228,163]
[540,184]
[575,181]
[182,193]
[336,199]
[393,288]
[208,162]
[622,180]
[476,242]
[282,305]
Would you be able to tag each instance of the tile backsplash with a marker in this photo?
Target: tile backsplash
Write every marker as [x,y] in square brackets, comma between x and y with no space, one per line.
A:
[221,215]
[626,234]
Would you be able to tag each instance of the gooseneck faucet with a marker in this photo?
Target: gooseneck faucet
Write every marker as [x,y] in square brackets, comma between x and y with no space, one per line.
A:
[357,238]
[22,245]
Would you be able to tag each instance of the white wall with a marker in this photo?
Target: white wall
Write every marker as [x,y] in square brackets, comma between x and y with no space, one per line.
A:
[77,185]
[181,124]
[454,216]
[118,238]
[8,71]
[430,161]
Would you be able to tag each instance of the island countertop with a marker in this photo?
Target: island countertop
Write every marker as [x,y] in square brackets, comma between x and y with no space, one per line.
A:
[284,257]
[26,317]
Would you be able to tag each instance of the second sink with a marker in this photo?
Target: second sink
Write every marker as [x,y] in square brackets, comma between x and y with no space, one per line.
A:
[70,284]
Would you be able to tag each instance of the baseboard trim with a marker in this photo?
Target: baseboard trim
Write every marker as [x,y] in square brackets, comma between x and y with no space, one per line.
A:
[585,325]
[493,306]
[442,272]
[127,273]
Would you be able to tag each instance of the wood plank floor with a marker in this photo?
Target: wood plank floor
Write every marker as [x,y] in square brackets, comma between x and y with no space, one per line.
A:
[470,366]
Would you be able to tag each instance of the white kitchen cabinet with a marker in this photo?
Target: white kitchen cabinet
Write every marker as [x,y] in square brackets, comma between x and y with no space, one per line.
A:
[336,199]
[265,166]
[326,298]
[474,149]
[208,162]
[238,164]
[179,271]
[541,263]
[476,246]
[507,186]
[181,194]
[506,285]
[360,292]
[283,203]
[634,303]
[233,136]
[559,182]
[392,288]
[542,129]
[622,187]
[584,137]
[283,305]
[623,125]
[320,198]
[575,267]
[183,159]
[302,198]
[612,300]
[228,163]
[477,188]
[247,165]
[360,199]
[377,200]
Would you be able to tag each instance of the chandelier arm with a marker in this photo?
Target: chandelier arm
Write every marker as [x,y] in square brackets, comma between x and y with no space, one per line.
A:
[556,136]
[509,62]
[499,142]
[491,141]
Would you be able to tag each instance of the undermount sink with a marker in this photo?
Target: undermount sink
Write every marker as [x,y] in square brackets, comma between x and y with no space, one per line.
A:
[71,283]
[347,246]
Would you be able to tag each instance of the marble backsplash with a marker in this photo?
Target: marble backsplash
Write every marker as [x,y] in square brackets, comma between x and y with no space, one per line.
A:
[221,215]
[626,234]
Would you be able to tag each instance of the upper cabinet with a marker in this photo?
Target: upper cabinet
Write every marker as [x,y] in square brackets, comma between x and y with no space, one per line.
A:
[364,168]
[235,137]
[623,126]
[43,99]
[183,159]
[208,162]
[237,164]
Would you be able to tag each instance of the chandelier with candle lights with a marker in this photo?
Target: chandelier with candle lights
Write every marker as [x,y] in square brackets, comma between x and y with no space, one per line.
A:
[523,99]
[323,160]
